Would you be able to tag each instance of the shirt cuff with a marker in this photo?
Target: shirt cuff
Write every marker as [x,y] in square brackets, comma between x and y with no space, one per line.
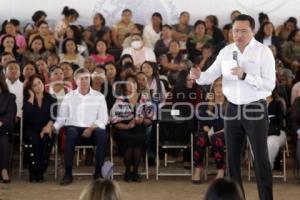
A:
[250,79]
[100,124]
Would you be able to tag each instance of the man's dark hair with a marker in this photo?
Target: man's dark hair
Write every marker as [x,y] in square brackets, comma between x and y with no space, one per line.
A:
[244,17]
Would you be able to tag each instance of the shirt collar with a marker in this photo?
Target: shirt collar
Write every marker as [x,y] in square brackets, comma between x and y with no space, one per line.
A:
[251,43]
[11,83]
[91,91]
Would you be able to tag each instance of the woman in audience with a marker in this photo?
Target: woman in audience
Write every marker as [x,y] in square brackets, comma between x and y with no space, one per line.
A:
[139,52]
[122,28]
[211,131]
[197,40]
[68,75]
[29,69]
[224,189]
[8,111]
[212,29]
[36,50]
[8,44]
[131,113]
[276,134]
[111,78]
[186,97]
[53,59]
[207,58]
[43,69]
[101,56]
[152,31]
[8,28]
[156,87]
[162,45]
[39,113]
[56,87]
[111,72]
[173,62]
[266,35]
[101,190]
[295,127]
[46,34]
[70,53]
[74,32]
[70,16]
[182,30]
[97,31]
[283,31]
[291,49]
[136,29]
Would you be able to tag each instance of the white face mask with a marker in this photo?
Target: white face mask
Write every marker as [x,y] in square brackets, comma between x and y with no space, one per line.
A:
[136,44]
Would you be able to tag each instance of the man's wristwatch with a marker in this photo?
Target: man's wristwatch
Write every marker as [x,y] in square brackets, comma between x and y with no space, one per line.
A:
[244,76]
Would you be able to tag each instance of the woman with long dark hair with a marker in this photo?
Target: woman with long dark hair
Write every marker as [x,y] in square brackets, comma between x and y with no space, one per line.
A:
[211,131]
[266,35]
[152,31]
[39,113]
[8,111]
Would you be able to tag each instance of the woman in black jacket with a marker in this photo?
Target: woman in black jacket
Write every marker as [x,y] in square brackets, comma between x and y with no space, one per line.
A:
[266,35]
[8,111]
[39,113]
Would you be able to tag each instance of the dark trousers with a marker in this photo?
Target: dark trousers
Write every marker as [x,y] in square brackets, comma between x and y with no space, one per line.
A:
[250,120]
[217,143]
[38,151]
[4,151]
[74,137]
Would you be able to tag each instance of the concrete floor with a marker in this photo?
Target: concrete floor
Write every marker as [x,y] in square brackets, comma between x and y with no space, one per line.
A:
[166,188]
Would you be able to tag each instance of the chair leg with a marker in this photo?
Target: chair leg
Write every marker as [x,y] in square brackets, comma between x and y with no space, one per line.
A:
[206,164]
[192,155]
[166,159]
[77,158]
[157,151]
[147,166]
[284,165]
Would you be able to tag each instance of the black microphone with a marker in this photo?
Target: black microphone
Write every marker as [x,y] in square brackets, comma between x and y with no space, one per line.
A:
[235,57]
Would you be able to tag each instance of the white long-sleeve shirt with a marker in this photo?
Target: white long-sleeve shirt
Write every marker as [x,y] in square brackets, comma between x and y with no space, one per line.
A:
[17,89]
[257,61]
[82,110]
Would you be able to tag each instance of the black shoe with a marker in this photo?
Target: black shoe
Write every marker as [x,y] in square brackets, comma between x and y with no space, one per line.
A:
[151,162]
[33,178]
[128,176]
[98,176]
[136,178]
[40,178]
[67,180]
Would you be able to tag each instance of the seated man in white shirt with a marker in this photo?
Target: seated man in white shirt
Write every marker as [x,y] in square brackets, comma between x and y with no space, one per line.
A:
[15,86]
[83,113]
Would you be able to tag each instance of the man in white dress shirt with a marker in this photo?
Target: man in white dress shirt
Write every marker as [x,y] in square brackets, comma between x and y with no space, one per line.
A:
[248,70]
[84,115]
[15,86]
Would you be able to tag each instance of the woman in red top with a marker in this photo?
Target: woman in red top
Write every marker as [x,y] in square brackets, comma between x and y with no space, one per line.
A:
[101,56]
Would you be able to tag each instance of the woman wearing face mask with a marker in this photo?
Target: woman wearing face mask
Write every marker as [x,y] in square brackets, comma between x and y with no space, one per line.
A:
[138,52]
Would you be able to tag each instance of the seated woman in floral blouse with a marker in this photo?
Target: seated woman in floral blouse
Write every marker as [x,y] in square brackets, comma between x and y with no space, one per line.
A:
[131,114]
